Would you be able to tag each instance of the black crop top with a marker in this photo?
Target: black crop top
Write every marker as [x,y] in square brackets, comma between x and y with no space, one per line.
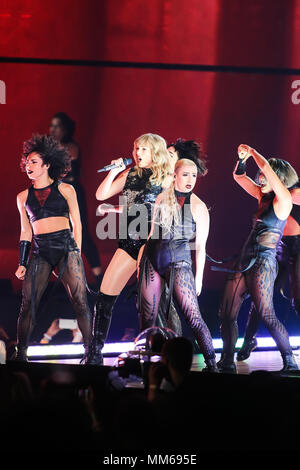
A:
[266,219]
[46,202]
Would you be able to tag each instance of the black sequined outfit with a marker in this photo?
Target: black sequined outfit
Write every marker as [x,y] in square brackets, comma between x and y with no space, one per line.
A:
[137,191]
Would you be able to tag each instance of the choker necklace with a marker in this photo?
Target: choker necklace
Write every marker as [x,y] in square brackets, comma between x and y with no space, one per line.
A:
[41,189]
[181,194]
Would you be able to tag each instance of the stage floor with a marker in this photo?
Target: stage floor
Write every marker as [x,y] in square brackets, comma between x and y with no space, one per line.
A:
[259,360]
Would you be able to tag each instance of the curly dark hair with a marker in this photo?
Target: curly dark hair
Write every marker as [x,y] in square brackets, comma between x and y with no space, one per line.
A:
[51,152]
[191,150]
[68,124]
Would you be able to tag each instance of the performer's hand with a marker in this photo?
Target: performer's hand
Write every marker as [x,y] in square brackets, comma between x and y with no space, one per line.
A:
[20,273]
[120,165]
[104,209]
[244,152]
[107,208]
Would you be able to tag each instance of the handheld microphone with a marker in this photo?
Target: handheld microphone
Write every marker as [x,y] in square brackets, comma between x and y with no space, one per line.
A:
[126,162]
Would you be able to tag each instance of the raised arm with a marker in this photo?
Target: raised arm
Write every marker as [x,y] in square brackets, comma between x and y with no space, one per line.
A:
[111,185]
[277,186]
[239,175]
[201,217]
[283,199]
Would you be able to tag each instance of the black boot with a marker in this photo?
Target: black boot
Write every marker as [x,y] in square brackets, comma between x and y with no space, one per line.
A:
[211,366]
[246,349]
[289,363]
[226,364]
[102,318]
[20,354]
[87,353]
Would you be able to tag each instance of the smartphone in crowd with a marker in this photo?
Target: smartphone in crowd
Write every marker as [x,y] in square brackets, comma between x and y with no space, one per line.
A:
[67,324]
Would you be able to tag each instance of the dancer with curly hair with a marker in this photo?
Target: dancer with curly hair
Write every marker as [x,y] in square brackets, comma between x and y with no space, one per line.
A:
[192,150]
[46,210]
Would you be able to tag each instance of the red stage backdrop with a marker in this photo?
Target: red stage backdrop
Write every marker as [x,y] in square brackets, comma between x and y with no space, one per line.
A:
[114,99]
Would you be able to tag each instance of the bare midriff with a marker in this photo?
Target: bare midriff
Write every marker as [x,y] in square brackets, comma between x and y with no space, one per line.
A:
[50,224]
[268,239]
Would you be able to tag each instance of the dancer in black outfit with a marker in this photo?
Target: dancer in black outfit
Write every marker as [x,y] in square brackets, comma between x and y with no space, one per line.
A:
[257,267]
[288,258]
[181,148]
[179,216]
[46,210]
[62,128]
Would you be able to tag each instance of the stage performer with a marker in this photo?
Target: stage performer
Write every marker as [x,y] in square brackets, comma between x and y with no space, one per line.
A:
[46,210]
[140,185]
[288,258]
[62,128]
[179,217]
[181,148]
[257,268]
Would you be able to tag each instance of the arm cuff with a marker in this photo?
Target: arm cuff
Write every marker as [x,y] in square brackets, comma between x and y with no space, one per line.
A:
[24,251]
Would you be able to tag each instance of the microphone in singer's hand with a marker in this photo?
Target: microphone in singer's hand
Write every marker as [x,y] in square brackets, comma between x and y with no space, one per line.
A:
[126,162]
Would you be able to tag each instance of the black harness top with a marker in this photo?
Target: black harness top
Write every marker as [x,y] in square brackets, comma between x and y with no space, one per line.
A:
[167,249]
[46,202]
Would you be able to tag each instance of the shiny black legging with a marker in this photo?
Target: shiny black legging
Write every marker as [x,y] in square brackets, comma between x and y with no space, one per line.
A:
[288,269]
[184,292]
[36,280]
[258,281]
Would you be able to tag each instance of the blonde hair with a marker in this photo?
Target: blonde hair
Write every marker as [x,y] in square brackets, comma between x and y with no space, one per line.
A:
[169,211]
[161,160]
